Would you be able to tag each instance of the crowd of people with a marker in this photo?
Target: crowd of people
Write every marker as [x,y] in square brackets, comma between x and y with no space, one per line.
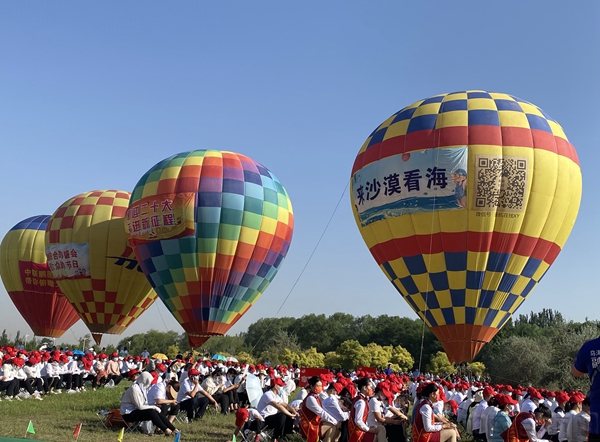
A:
[336,406]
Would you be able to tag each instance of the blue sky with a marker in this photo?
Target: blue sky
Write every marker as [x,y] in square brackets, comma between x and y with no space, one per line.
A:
[94,94]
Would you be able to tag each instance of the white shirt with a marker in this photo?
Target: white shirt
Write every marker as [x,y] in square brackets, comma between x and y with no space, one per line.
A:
[487,417]
[529,426]
[375,406]
[332,406]
[477,414]
[557,416]
[264,407]
[359,411]
[313,405]
[462,411]
[184,388]
[426,414]
[578,428]
[562,434]
[157,391]
[528,406]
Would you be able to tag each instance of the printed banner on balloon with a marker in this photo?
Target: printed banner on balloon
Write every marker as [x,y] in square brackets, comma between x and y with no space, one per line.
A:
[423,181]
[68,261]
[36,278]
[161,217]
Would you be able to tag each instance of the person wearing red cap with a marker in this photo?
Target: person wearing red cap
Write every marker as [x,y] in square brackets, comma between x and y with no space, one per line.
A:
[188,398]
[248,419]
[531,400]
[358,429]
[487,417]
[384,415]
[523,427]
[558,414]
[8,383]
[579,427]
[215,386]
[501,422]
[572,408]
[316,423]
[100,369]
[276,413]
[478,431]
[425,428]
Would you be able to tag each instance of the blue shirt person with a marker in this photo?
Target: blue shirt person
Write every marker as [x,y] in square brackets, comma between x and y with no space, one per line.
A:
[588,362]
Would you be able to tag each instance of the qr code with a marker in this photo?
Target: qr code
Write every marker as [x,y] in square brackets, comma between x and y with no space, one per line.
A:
[501,183]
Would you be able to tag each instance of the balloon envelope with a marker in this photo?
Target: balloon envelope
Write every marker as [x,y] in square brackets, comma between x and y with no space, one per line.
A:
[210,230]
[465,200]
[29,281]
[88,254]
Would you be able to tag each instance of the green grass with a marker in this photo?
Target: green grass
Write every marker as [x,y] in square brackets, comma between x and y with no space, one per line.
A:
[55,418]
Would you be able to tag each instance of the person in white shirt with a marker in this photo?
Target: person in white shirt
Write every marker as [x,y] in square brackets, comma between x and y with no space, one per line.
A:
[531,401]
[276,413]
[332,403]
[188,398]
[315,422]
[572,408]
[357,423]
[32,372]
[424,422]
[579,427]
[478,433]
[135,408]
[558,414]
[157,395]
[487,417]
[525,423]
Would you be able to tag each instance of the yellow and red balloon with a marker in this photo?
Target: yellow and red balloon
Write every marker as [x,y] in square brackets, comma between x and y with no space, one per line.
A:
[88,254]
[29,281]
[465,200]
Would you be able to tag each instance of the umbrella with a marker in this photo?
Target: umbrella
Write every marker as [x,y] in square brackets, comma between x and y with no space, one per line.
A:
[160,356]
[232,359]
[219,357]
[78,352]
[253,389]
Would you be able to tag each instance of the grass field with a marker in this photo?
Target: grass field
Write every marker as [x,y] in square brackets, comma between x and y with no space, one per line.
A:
[55,418]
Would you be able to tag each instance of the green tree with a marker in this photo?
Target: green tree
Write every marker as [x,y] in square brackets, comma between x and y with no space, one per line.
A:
[244,357]
[310,358]
[351,354]
[402,358]
[331,360]
[172,351]
[440,364]
[477,368]
[379,356]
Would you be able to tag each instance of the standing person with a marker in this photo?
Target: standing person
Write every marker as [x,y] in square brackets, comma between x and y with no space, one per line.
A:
[425,429]
[501,421]
[587,362]
[316,423]
[579,427]
[276,413]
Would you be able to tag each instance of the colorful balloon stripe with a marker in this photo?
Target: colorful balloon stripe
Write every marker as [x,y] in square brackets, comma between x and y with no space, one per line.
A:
[242,228]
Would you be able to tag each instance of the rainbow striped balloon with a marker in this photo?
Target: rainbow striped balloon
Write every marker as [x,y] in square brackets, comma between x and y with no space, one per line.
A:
[210,230]
[465,200]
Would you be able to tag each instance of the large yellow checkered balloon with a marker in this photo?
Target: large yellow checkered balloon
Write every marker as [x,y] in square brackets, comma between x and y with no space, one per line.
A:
[96,269]
[465,200]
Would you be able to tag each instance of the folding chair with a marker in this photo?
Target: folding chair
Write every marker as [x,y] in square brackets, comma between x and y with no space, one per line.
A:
[113,419]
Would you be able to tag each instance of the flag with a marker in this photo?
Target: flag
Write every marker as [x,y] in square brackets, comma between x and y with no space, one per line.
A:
[121,433]
[77,430]
[178,436]
[233,439]
[30,428]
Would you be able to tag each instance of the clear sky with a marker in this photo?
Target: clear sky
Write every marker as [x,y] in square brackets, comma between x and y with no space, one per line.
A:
[92,94]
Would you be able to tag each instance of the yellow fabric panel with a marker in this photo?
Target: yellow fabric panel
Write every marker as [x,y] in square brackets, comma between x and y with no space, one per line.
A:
[497,319]
[531,109]
[444,299]
[438,316]
[557,129]
[399,287]
[399,227]
[268,225]
[518,302]
[459,315]
[369,236]
[471,297]
[171,172]
[509,118]
[425,223]
[227,247]
[248,235]
[399,267]
[569,220]
[423,282]
[452,119]
[516,264]
[499,299]
[480,315]
[419,301]
[177,303]
[181,287]
[481,104]
[500,96]
[520,285]
[397,129]
[435,263]
[149,189]
[387,122]
[537,275]
[491,280]
[427,109]
[453,221]
[456,96]
[475,260]
[456,280]
[193,160]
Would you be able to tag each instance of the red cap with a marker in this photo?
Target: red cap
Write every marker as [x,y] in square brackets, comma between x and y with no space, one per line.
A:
[508,388]
[193,372]
[240,417]
[388,394]
[534,394]
[576,397]
[562,397]
[504,400]
[488,391]
[277,381]
[114,355]
[161,367]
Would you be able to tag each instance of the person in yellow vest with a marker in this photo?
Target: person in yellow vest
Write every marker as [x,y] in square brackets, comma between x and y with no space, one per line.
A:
[316,423]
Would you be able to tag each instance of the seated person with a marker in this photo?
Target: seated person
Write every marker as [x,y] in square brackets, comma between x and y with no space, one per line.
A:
[214,385]
[276,413]
[134,408]
[192,398]
[248,419]
[157,395]
[316,423]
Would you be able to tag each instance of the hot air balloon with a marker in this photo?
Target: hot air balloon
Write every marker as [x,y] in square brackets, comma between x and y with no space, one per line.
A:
[88,254]
[29,281]
[468,223]
[210,230]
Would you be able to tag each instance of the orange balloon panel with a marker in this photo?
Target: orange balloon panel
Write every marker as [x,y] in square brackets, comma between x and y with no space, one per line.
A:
[88,254]
[465,200]
[29,281]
